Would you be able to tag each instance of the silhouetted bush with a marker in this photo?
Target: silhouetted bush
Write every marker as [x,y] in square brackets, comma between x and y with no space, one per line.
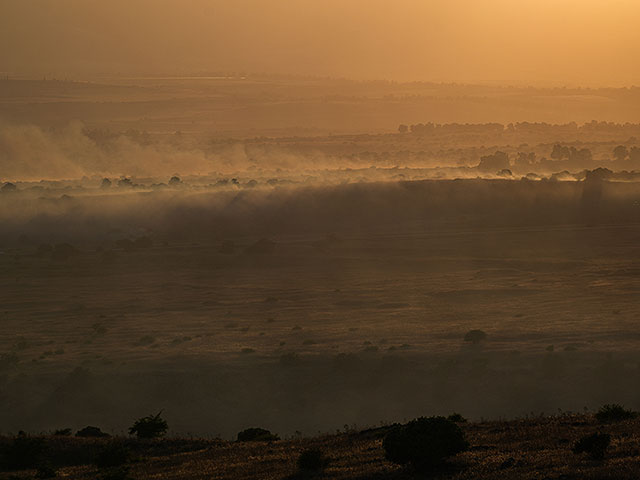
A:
[91,432]
[457,418]
[289,359]
[23,452]
[614,413]
[145,341]
[424,443]
[257,435]
[112,454]
[63,432]
[475,336]
[595,445]
[152,426]
[312,460]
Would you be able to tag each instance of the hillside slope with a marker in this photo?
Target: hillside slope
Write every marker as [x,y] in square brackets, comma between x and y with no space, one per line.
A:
[538,448]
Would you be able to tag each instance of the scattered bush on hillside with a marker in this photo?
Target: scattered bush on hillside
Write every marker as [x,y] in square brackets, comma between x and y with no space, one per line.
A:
[475,336]
[312,460]
[424,443]
[152,426]
[611,413]
[256,434]
[457,418]
[90,431]
[595,445]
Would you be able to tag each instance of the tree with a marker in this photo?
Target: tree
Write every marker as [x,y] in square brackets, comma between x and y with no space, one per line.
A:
[424,443]
[559,152]
[152,426]
[494,163]
[620,153]
[403,128]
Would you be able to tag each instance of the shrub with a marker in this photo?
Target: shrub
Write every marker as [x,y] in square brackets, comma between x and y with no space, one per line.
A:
[63,432]
[113,454]
[457,418]
[475,336]
[424,443]
[256,434]
[23,452]
[91,432]
[595,445]
[312,460]
[614,413]
[152,426]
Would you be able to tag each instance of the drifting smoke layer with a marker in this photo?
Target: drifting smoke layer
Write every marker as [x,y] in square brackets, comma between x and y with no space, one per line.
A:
[192,214]
[29,152]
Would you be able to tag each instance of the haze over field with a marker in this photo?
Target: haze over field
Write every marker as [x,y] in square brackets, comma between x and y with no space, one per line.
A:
[558,42]
[301,215]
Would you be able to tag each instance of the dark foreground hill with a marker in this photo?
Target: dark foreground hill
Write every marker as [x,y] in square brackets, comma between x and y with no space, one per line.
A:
[539,448]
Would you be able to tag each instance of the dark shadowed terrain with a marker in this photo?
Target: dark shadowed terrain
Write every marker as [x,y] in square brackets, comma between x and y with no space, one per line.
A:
[307,308]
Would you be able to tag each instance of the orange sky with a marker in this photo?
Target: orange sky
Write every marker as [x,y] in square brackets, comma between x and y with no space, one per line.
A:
[588,42]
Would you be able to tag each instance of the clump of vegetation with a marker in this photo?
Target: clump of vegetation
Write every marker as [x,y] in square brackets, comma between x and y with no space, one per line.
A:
[424,443]
[145,341]
[289,359]
[595,445]
[257,434]
[152,426]
[457,418]
[312,460]
[63,432]
[475,336]
[611,413]
[91,432]
[112,454]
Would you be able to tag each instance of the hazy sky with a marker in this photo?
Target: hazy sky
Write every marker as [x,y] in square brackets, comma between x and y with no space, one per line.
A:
[577,42]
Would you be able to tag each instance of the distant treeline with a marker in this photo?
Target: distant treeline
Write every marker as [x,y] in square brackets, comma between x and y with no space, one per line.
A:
[547,129]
